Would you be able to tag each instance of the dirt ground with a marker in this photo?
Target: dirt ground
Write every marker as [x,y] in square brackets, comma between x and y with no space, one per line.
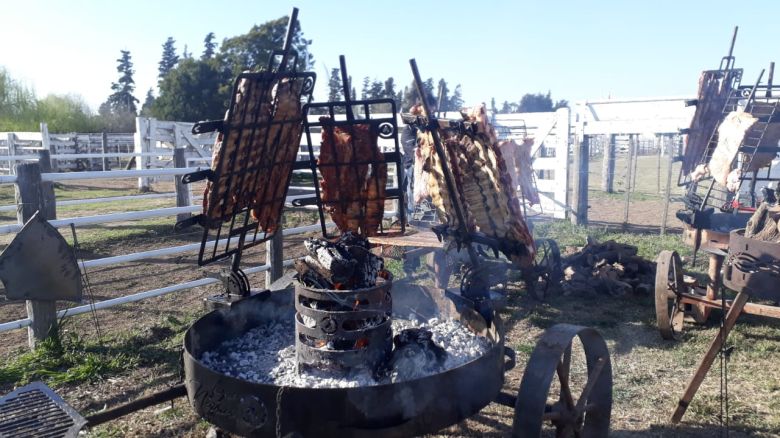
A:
[649,374]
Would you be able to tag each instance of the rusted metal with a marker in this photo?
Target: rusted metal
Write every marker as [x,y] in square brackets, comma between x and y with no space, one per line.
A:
[669,282]
[343,328]
[754,267]
[589,415]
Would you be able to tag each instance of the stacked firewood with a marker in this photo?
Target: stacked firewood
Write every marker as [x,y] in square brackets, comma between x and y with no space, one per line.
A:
[608,268]
[344,264]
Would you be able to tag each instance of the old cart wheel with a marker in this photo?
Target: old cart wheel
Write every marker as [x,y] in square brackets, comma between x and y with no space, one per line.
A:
[585,416]
[546,270]
[669,285]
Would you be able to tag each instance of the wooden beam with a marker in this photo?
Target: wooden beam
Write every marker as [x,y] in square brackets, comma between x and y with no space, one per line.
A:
[580,192]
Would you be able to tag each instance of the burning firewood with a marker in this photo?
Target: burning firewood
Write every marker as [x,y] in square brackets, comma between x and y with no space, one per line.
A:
[344,264]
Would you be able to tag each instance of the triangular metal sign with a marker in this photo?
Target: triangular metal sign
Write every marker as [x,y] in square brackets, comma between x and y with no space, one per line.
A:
[39,264]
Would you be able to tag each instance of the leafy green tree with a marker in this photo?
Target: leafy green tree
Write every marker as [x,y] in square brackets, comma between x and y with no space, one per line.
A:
[193,91]
[252,50]
[563,103]
[65,113]
[169,58]
[208,46]
[535,103]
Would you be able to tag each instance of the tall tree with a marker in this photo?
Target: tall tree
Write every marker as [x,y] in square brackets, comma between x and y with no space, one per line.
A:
[364,90]
[252,50]
[443,95]
[185,54]
[169,58]
[376,90]
[506,108]
[208,46]
[411,97]
[493,105]
[389,90]
[456,101]
[118,111]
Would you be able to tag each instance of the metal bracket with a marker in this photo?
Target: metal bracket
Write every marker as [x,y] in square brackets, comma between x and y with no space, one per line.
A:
[207,126]
[198,176]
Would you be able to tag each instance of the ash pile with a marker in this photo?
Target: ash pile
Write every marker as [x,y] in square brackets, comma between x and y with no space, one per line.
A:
[608,268]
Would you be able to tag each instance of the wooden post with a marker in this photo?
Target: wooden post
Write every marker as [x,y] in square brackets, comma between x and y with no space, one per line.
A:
[659,148]
[274,255]
[48,202]
[103,148]
[10,139]
[608,165]
[28,192]
[182,190]
[629,175]
[668,189]
[580,201]
[709,357]
[141,143]
[47,146]
[637,148]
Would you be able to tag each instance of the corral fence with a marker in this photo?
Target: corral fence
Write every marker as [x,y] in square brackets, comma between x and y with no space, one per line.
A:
[160,149]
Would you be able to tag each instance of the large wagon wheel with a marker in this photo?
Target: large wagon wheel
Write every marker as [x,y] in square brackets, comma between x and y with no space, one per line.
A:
[586,416]
[546,270]
[669,285]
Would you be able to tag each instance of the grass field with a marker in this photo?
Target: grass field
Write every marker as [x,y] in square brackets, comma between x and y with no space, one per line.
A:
[140,344]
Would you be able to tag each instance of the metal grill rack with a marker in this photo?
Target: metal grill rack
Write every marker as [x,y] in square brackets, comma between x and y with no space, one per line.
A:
[347,115]
[34,410]
[762,103]
[259,140]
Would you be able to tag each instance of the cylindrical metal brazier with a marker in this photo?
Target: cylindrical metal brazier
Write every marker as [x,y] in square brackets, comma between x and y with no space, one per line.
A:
[343,329]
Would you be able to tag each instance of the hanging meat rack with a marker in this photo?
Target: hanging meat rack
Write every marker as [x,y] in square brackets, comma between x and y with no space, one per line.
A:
[258,143]
[379,116]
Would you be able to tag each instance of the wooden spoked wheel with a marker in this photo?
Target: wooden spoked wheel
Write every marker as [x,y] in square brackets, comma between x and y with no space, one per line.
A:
[546,270]
[546,392]
[669,287]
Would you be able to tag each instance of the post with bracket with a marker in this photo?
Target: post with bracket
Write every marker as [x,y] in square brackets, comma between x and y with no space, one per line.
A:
[183,198]
[274,256]
[28,192]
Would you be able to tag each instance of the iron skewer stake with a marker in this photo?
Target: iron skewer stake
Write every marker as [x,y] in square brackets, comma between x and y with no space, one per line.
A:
[709,356]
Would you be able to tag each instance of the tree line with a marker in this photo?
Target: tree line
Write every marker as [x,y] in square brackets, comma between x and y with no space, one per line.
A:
[192,88]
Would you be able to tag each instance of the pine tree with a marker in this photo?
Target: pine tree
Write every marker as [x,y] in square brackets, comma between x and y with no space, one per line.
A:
[122,99]
[455,102]
[365,90]
[186,54]
[443,96]
[493,105]
[169,58]
[389,91]
[208,46]
[146,108]
[335,92]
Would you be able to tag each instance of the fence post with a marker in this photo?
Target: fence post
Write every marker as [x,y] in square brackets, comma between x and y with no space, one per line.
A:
[141,143]
[668,191]
[274,256]
[47,146]
[580,201]
[103,147]
[48,202]
[608,165]
[11,152]
[629,176]
[182,190]
[637,150]
[28,192]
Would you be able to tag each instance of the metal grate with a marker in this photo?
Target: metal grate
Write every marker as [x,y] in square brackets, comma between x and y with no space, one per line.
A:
[377,117]
[35,410]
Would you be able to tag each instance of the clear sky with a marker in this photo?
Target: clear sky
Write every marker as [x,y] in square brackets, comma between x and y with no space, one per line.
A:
[576,49]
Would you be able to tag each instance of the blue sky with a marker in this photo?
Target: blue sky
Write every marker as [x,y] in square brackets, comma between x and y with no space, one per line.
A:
[577,49]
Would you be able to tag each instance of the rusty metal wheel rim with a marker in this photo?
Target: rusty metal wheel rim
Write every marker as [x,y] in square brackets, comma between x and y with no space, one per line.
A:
[587,416]
[669,287]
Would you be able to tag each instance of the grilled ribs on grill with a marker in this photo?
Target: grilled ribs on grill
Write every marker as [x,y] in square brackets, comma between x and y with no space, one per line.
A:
[354,176]
[483,185]
[257,152]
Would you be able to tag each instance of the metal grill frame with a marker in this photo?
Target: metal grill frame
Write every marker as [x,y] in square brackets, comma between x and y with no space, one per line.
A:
[386,127]
[77,422]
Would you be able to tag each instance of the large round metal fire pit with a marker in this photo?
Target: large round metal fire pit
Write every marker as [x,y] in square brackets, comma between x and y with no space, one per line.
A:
[399,409]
